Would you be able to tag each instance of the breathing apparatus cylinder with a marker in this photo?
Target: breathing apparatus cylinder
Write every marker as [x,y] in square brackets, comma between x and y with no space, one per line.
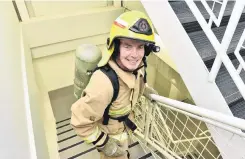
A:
[87,57]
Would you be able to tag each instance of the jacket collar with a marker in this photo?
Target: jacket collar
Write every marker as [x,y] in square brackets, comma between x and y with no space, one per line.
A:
[127,77]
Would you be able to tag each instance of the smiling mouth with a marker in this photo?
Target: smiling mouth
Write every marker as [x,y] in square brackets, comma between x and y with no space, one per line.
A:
[133,61]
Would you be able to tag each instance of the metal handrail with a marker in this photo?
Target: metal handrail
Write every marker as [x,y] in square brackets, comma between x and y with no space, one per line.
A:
[181,139]
[221,48]
[222,119]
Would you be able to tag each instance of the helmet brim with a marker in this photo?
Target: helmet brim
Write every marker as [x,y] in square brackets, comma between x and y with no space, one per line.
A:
[106,55]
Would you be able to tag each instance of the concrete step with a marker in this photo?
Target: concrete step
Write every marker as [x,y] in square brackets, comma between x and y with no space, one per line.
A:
[184,14]
[227,85]
[63,122]
[238,109]
[74,147]
[70,145]
[205,48]
[64,128]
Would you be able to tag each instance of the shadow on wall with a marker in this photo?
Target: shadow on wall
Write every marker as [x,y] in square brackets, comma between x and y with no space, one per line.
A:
[166,80]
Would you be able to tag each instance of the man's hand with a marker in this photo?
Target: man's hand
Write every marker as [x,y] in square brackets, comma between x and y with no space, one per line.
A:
[149,90]
[111,148]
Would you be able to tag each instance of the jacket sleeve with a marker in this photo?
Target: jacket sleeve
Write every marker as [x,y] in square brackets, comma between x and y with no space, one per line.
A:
[89,109]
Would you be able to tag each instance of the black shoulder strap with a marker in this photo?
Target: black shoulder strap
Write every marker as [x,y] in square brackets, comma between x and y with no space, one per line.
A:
[112,75]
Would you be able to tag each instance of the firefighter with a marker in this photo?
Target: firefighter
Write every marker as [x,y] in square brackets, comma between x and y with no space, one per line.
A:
[95,117]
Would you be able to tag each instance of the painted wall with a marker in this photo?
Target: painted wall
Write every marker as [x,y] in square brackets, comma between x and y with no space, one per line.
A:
[48,120]
[36,105]
[53,8]
[164,76]
[56,71]
[52,41]
[53,56]
[65,40]
[53,50]
[166,80]
[14,136]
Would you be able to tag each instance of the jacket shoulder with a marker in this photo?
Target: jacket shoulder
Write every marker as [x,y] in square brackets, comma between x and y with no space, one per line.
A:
[100,84]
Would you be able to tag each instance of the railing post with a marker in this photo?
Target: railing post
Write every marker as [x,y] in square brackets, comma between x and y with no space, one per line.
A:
[148,121]
[215,69]
[221,48]
[239,57]
[235,16]
[152,122]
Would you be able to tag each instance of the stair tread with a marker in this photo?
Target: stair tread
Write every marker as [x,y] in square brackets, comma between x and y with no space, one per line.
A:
[148,155]
[63,122]
[238,109]
[136,151]
[65,128]
[93,154]
[66,135]
[227,85]
[199,38]
[205,48]
[224,81]
[185,15]
[69,142]
[79,149]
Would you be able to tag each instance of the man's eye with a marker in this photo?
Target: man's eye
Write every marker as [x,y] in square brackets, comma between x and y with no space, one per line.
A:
[142,46]
[127,46]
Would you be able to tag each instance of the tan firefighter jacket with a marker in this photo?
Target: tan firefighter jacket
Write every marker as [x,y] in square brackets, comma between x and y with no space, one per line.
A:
[87,112]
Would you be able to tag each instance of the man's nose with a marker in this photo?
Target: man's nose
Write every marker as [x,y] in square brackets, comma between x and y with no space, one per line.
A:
[134,52]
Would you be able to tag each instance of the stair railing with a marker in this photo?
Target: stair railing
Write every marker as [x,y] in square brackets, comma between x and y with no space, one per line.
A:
[239,47]
[172,129]
[221,47]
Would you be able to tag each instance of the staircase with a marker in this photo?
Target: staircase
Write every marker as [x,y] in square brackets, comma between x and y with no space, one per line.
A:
[70,145]
[206,51]
[31,114]
[195,52]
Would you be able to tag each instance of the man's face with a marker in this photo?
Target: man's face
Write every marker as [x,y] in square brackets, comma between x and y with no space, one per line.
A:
[131,54]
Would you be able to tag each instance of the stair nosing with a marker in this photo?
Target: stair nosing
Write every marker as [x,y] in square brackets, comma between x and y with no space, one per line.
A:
[62,120]
[66,138]
[82,153]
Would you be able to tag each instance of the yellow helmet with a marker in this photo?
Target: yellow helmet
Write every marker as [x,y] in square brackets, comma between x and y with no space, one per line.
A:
[132,24]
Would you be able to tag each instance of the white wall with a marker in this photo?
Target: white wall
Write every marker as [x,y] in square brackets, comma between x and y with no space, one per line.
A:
[38,116]
[14,139]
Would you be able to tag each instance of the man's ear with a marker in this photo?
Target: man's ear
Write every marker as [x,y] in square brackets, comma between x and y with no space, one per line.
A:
[148,49]
[108,42]
[116,45]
